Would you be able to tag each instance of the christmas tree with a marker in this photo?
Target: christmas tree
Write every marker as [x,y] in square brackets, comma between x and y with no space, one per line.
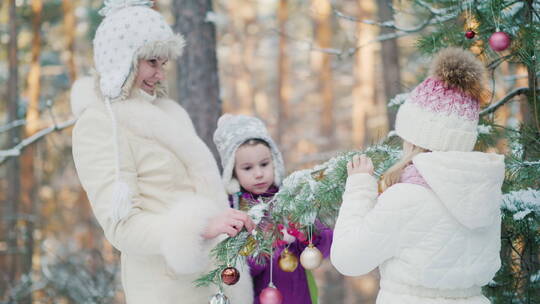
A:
[504,32]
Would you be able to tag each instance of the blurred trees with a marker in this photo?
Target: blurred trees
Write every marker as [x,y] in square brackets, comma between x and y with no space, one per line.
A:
[319,73]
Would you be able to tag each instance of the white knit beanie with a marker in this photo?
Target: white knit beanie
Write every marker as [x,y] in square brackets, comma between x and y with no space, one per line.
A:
[441,113]
[234,130]
[131,30]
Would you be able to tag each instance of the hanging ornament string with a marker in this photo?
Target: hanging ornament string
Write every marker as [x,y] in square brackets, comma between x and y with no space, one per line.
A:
[470,33]
[271,265]
[230,275]
[495,21]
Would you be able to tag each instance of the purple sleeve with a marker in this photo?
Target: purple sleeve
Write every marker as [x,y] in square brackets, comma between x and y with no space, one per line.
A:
[323,239]
[255,268]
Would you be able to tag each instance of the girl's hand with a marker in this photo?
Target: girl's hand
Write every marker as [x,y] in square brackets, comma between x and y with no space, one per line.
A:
[360,164]
[230,222]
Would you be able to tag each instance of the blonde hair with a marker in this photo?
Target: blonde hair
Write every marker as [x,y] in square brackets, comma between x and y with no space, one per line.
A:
[393,174]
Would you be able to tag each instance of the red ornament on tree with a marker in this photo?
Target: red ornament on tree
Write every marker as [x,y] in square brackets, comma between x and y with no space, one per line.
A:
[499,41]
[271,295]
[470,34]
[230,275]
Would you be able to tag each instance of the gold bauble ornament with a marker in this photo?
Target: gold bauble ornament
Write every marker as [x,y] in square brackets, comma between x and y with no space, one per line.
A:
[249,247]
[288,261]
[311,257]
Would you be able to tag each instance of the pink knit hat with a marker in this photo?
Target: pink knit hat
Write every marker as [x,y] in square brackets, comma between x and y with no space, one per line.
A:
[441,113]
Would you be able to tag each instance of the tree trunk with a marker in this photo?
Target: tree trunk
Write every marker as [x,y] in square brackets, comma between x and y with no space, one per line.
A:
[323,68]
[283,89]
[13,166]
[364,91]
[390,60]
[197,69]
[28,182]
[69,31]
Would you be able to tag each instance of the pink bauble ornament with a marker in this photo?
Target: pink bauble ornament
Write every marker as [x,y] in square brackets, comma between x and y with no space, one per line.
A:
[499,41]
[271,295]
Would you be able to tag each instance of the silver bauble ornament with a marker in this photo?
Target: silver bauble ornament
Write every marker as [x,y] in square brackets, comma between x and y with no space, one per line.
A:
[219,298]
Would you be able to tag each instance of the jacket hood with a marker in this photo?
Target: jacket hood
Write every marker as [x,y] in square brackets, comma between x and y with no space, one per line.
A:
[468,184]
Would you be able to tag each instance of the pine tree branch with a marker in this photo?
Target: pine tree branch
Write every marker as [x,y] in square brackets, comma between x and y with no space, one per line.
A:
[492,108]
[17,149]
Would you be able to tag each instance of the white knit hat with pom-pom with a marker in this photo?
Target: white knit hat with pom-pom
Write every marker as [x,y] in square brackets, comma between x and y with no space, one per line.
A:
[441,113]
[234,130]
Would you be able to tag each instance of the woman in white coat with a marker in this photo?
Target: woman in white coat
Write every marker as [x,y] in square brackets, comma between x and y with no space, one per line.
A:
[154,186]
[434,232]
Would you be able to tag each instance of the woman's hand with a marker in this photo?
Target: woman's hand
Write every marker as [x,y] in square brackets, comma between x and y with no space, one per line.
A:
[360,164]
[230,222]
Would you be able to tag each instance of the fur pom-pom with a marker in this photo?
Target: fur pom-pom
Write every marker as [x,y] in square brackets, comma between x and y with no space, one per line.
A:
[460,69]
[232,186]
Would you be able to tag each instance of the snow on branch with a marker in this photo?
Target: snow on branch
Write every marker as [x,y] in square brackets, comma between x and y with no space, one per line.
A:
[11,125]
[17,149]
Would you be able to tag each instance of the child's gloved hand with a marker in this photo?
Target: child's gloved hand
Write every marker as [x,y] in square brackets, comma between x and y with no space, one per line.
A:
[230,222]
[360,164]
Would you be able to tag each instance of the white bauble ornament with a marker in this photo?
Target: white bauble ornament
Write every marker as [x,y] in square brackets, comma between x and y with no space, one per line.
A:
[311,257]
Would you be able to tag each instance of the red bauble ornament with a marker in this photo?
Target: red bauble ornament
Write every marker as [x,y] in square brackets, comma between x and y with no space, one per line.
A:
[470,34]
[499,41]
[271,295]
[230,275]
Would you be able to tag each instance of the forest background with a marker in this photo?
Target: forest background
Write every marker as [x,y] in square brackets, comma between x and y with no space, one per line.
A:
[322,74]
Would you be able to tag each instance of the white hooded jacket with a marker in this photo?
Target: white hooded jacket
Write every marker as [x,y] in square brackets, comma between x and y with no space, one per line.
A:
[175,189]
[436,244]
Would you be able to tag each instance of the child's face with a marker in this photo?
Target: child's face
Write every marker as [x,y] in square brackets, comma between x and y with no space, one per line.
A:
[254,168]
[150,72]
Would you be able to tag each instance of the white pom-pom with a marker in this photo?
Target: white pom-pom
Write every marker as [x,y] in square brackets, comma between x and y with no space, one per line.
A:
[232,186]
[121,201]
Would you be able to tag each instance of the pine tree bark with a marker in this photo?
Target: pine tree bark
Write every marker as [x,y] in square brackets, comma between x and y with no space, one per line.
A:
[390,60]
[322,65]
[69,32]
[197,69]
[364,90]
[283,89]
[28,179]
[531,114]
[13,165]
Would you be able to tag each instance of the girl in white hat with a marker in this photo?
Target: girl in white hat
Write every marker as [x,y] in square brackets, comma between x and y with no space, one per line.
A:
[154,186]
[434,232]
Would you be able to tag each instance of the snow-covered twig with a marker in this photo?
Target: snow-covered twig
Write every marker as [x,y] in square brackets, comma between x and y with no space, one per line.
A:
[17,149]
[11,125]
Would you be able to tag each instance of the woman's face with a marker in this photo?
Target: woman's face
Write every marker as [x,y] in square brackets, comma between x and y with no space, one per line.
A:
[150,73]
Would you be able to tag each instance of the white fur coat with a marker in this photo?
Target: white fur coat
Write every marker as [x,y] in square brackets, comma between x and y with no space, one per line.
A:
[175,188]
